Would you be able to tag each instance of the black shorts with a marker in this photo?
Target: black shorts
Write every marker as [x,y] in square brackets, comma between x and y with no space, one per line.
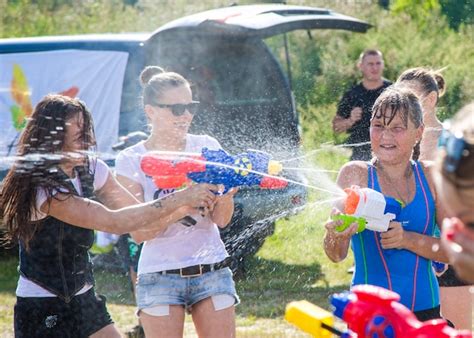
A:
[51,317]
[428,314]
[449,279]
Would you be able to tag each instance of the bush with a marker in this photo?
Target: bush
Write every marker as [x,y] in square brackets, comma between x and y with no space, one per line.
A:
[323,68]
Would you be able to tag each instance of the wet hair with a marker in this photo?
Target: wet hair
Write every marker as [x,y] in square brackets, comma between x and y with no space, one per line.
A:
[428,80]
[39,153]
[155,81]
[461,125]
[368,52]
[397,100]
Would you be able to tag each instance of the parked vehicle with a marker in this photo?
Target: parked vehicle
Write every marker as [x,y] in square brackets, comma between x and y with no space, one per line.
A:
[246,99]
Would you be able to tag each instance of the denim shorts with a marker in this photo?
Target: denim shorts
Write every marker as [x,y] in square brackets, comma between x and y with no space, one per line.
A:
[172,289]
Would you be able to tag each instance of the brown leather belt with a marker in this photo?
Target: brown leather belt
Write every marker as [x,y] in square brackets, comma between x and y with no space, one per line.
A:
[196,270]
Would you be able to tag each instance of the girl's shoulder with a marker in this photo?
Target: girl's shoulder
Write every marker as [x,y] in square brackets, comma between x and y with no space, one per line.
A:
[353,173]
[428,168]
[100,166]
[136,149]
[355,167]
[202,141]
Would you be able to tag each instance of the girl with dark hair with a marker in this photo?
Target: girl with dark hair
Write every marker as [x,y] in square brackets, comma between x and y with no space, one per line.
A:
[429,85]
[182,268]
[454,177]
[400,258]
[48,205]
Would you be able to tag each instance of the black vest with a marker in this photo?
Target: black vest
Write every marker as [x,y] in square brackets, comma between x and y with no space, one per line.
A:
[58,259]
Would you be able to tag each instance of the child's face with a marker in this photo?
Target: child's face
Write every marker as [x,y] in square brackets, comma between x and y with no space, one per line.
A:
[394,141]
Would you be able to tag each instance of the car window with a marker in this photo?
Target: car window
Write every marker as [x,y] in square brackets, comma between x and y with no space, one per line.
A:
[242,77]
[245,102]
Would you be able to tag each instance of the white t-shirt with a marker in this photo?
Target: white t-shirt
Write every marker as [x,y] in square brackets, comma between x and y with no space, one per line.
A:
[178,245]
[27,288]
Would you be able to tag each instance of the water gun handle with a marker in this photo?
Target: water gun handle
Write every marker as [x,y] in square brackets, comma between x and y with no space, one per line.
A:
[347,221]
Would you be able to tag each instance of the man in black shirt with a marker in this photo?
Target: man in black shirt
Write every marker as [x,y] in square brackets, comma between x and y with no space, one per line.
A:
[355,108]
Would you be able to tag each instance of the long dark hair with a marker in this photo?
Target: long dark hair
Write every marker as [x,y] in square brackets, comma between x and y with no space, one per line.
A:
[39,154]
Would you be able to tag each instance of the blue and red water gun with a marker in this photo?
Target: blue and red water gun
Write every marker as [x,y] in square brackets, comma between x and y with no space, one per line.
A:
[370,312]
[252,168]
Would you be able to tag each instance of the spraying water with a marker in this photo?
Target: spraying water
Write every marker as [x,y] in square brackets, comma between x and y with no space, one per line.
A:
[176,156]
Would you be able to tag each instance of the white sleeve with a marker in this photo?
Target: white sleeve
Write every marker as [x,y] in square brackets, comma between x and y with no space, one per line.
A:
[41,197]
[101,174]
[212,143]
[127,165]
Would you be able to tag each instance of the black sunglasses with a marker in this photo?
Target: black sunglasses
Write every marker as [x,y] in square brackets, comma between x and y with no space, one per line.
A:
[179,109]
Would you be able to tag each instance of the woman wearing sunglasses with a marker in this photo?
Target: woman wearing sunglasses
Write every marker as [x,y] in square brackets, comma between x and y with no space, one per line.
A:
[455,179]
[429,85]
[182,268]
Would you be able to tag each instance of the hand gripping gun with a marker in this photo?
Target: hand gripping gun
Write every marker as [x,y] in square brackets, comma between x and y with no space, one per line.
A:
[369,208]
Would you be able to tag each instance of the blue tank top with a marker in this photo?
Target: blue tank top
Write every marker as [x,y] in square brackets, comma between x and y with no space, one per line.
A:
[400,270]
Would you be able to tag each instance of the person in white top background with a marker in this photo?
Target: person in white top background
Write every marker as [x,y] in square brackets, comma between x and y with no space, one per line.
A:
[181,268]
[48,206]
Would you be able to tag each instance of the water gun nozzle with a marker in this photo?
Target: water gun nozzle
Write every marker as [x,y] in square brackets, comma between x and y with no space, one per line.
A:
[274,167]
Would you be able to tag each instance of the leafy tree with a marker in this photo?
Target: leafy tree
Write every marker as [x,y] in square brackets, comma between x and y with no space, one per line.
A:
[458,12]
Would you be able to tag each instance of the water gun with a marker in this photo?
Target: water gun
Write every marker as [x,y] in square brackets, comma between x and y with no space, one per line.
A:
[216,167]
[370,209]
[372,311]
[314,320]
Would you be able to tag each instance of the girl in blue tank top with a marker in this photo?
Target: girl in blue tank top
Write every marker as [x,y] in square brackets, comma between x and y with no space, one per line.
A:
[398,259]
[400,270]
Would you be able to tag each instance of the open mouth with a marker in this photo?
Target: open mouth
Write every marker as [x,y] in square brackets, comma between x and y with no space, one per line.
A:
[387,146]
